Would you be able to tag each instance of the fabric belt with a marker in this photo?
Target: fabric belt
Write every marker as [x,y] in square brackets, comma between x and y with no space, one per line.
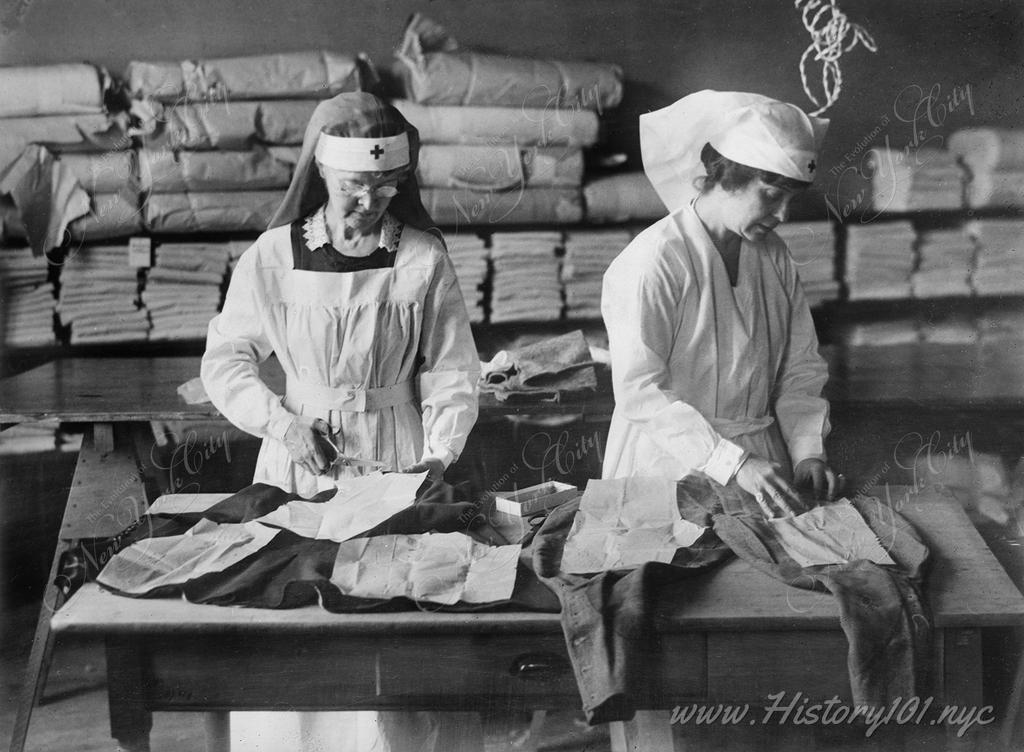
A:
[348,399]
[730,429]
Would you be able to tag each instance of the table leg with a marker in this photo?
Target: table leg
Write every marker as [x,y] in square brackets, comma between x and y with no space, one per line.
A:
[649,731]
[963,683]
[107,494]
[130,718]
[41,654]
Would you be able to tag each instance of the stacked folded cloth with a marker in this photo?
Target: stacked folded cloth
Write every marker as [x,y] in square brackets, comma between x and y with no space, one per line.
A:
[542,370]
[29,438]
[813,247]
[503,136]
[924,179]
[469,256]
[945,259]
[879,260]
[999,265]
[220,136]
[587,256]
[994,157]
[525,286]
[98,297]
[183,289]
[26,299]
[952,329]
[47,111]
[1001,325]
[881,333]
[628,197]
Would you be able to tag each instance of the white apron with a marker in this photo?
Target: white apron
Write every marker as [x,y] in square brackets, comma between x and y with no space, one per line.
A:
[386,356]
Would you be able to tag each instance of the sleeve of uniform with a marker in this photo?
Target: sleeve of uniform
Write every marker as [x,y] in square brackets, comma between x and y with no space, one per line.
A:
[640,314]
[801,410]
[236,344]
[449,375]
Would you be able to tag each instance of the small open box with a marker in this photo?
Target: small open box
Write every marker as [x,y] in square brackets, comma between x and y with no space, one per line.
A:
[534,499]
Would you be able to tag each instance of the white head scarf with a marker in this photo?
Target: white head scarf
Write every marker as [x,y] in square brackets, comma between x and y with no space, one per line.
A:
[750,129]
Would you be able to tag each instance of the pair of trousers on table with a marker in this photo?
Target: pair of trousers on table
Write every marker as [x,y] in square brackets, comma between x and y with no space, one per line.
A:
[610,619]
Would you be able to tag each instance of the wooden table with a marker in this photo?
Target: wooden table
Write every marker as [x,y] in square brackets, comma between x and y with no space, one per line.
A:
[120,396]
[740,637]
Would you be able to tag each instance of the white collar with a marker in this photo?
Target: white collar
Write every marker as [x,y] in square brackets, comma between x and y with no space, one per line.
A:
[314,231]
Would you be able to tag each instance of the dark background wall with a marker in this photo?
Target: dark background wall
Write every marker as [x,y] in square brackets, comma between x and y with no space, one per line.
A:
[667,48]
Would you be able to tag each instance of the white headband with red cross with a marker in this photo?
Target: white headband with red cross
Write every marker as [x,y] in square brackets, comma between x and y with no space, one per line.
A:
[363,154]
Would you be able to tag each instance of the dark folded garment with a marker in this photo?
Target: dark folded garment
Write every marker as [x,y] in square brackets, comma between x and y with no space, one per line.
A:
[545,369]
[609,619]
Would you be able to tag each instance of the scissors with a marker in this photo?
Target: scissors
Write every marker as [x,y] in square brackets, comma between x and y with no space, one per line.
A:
[346,461]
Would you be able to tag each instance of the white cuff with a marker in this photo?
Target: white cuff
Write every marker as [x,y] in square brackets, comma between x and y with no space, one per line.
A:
[724,461]
[279,424]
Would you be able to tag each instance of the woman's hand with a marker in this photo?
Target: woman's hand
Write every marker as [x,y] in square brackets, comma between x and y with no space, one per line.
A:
[434,469]
[302,439]
[819,476]
[761,478]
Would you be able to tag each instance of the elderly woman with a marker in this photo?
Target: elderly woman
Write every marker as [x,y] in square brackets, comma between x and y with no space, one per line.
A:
[353,291]
[715,362]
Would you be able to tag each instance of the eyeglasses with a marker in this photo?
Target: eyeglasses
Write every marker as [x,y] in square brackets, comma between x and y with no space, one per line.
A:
[357,190]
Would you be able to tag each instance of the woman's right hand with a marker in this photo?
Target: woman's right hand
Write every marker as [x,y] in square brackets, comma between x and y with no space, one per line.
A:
[762,478]
[302,439]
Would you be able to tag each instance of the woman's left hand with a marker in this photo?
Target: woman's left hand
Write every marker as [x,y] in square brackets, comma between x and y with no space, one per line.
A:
[433,468]
[816,474]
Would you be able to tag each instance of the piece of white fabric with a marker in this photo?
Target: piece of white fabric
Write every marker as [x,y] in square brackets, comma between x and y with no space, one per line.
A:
[176,559]
[624,523]
[698,365]
[829,534]
[363,330]
[359,505]
[443,568]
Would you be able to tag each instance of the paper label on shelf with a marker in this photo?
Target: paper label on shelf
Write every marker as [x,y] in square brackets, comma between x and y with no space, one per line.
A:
[140,252]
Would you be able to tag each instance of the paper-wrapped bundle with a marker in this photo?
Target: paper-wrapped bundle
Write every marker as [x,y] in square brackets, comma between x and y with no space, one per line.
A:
[522,206]
[231,126]
[499,167]
[56,130]
[66,89]
[104,172]
[434,71]
[315,74]
[232,211]
[987,149]
[111,215]
[926,179]
[622,198]
[491,125]
[163,171]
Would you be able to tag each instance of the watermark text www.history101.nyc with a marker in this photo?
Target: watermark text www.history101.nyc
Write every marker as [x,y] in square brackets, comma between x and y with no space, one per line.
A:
[799,710]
